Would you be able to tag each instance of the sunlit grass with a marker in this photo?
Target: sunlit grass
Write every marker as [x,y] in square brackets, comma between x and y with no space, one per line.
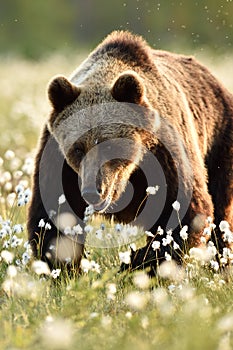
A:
[189,307]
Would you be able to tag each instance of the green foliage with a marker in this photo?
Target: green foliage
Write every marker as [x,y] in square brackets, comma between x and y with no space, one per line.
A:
[34,28]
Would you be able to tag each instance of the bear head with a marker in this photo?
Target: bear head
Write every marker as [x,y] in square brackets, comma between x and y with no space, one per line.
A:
[104,131]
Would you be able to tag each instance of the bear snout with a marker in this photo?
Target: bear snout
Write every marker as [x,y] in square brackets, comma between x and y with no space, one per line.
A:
[91,195]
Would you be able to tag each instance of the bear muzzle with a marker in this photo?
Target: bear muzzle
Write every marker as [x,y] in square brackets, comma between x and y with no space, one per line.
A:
[93,197]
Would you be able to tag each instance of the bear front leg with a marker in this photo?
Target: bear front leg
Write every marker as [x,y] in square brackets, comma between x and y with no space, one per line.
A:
[167,243]
[53,177]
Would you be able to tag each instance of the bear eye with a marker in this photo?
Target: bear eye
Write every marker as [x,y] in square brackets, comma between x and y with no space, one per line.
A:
[79,152]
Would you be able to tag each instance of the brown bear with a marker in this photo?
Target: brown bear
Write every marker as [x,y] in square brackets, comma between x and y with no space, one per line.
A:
[131,117]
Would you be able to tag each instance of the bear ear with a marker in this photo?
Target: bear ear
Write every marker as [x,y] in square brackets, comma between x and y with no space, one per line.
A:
[128,88]
[61,93]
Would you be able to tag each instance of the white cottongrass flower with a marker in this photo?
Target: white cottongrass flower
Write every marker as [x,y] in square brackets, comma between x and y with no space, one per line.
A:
[160,231]
[7,256]
[211,250]
[225,324]
[176,206]
[9,154]
[12,271]
[184,233]
[118,227]
[15,241]
[141,280]
[155,245]
[18,228]
[152,190]
[55,273]
[48,226]
[40,267]
[57,334]
[224,226]
[61,199]
[25,258]
[125,257]
[214,265]
[88,228]
[78,229]
[133,247]
[167,257]
[111,291]
[99,234]
[149,234]
[200,254]
[169,269]
[87,266]
[175,245]
[136,300]
[41,223]
[228,236]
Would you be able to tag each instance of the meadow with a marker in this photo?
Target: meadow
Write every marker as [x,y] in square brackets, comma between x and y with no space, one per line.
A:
[188,307]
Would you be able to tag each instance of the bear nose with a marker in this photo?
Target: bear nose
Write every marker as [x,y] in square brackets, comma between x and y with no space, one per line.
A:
[91,195]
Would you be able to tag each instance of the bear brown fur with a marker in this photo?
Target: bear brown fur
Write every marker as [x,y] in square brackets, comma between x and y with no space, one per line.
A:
[174,108]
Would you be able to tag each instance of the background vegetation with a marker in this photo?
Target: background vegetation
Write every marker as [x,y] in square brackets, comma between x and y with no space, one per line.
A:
[187,308]
[33,28]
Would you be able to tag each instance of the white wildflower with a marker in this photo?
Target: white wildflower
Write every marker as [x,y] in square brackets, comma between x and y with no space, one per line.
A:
[176,206]
[67,230]
[155,245]
[141,280]
[48,226]
[184,233]
[118,227]
[88,228]
[99,234]
[149,234]
[125,257]
[214,264]
[167,257]
[128,315]
[136,300]
[152,190]
[228,236]
[61,199]
[207,231]
[15,241]
[171,288]
[55,273]
[203,240]
[111,291]
[9,154]
[18,228]
[176,245]
[160,231]
[224,225]
[25,258]
[211,250]
[12,271]
[40,267]
[133,247]
[41,223]
[85,265]
[89,210]
[7,256]
[78,229]
[57,334]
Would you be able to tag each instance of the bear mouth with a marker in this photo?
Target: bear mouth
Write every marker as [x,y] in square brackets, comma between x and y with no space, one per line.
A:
[102,206]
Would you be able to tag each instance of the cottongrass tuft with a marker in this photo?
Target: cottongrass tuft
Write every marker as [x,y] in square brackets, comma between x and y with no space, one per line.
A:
[137,300]
[57,333]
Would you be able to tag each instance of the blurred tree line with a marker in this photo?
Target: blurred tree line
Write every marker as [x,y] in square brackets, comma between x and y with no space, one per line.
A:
[34,28]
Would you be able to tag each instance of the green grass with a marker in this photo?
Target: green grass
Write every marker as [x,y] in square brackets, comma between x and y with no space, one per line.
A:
[101,309]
